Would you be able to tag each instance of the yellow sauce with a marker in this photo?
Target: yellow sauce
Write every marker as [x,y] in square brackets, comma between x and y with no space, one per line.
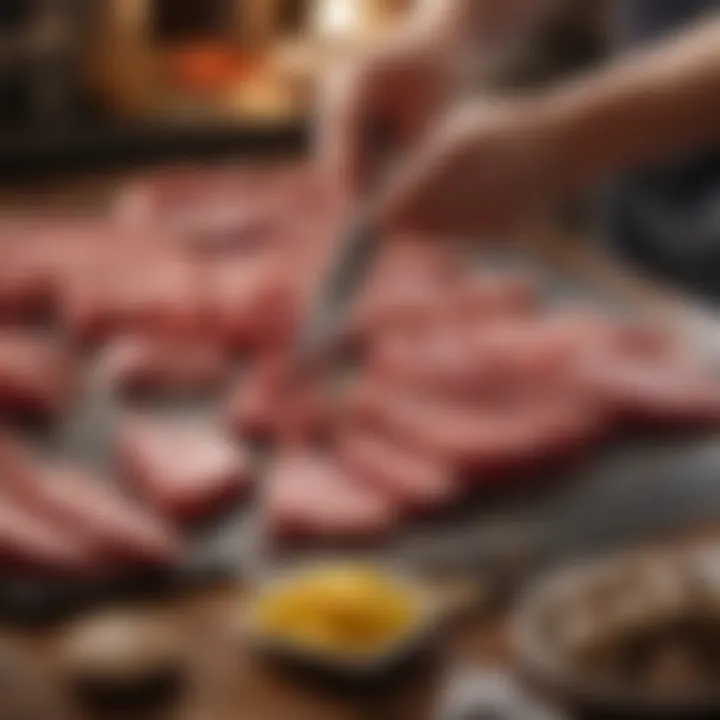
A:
[339,608]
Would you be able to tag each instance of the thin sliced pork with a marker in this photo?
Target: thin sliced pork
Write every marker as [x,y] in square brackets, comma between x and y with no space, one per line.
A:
[308,496]
[411,479]
[184,470]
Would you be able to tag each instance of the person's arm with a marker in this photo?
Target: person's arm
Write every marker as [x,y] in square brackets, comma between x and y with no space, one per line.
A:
[475,23]
[403,85]
[491,165]
[646,108]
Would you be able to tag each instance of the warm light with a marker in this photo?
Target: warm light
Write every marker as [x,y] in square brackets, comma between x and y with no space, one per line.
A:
[337,18]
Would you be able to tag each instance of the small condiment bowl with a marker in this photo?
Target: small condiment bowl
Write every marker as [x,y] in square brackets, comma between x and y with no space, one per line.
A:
[349,668]
[557,615]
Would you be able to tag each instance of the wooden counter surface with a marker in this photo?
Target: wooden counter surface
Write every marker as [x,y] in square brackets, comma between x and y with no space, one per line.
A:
[229,682]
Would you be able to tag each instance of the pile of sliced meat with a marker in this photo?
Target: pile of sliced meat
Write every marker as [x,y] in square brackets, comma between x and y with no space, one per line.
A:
[463,380]
[64,520]
[465,398]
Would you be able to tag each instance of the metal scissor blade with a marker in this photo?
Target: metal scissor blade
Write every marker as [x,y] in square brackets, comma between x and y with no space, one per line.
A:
[353,260]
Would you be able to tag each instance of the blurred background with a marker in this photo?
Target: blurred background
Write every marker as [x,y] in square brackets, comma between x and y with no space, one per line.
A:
[83,83]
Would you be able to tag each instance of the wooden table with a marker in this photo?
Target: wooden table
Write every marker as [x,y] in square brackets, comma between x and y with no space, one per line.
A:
[229,681]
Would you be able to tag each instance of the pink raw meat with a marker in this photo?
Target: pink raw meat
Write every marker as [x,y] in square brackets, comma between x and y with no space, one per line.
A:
[486,440]
[266,405]
[253,301]
[409,306]
[119,527]
[218,209]
[439,361]
[308,496]
[32,542]
[231,229]
[412,479]
[141,365]
[253,407]
[489,296]
[655,392]
[36,376]
[183,469]
[162,295]
[26,282]
[90,511]
[409,287]
[170,196]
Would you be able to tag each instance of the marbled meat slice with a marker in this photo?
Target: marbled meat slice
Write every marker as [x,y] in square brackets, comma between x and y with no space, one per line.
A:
[85,508]
[440,361]
[487,440]
[408,289]
[253,301]
[26,282]
[655,392]
[486,296]
[412,479]
[183,469]
[222,209]
[267,404]
[29,541]
[119,528]
[37,377]
[159,294]
[308,496]
[141,365]
[180,194]
[253,407]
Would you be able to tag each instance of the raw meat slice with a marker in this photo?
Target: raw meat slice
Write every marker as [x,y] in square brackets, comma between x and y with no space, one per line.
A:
[253,302]
[416,256]
[36,376]
[185,470]
[34,253]
[201,205]
[29,541]
[409,287]
[161,295]
[266,405]
[118,527]
[253,409]
[90,511]
[490,296]
[308,496]
[504,360]
[26,282]
[169,197]
[524,355]
[655,393]
[408,307]
[411,479]
[440,361]
[485,440]
[230,229]
[140,365]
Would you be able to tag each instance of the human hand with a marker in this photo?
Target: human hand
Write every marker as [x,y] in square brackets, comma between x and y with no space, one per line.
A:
[487,168]
[396,89]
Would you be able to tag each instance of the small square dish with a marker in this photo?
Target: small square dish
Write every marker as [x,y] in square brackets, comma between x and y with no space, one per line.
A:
[344,621]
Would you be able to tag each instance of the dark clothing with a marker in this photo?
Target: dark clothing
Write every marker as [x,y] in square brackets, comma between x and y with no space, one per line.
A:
[666,219]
